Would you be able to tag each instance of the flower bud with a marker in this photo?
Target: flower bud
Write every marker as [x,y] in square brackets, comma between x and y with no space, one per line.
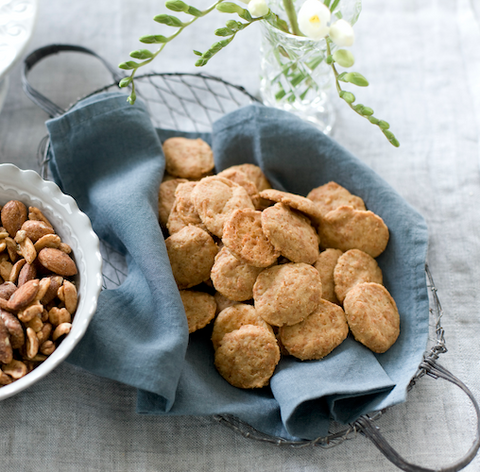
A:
[341,33]
[313,19]
[258,8]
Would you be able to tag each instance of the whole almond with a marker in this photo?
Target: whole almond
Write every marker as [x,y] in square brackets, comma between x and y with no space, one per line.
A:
[7,289]
[14,328]
[14,214]
[27,272]
[24,295]
[55,283]
[57,261]
[36,229]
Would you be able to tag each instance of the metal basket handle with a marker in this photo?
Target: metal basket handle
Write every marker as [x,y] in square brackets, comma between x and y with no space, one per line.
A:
[36,56]
[365,425]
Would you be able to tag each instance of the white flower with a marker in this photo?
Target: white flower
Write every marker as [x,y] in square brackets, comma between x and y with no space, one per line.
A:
[257,8]
[313,19]
[341,33]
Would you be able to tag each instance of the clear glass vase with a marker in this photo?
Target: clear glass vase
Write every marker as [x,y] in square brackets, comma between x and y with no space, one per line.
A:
[294,74]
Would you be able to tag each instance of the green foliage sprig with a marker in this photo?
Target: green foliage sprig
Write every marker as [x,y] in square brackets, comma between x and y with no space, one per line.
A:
[342,57]
[346,60]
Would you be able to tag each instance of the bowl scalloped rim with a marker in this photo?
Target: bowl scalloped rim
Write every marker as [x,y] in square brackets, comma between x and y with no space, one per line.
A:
[75,228]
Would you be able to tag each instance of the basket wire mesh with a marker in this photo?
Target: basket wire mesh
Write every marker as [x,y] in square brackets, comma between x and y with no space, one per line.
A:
[192,102]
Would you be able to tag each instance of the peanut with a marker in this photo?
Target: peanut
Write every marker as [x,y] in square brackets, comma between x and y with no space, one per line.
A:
[36,303]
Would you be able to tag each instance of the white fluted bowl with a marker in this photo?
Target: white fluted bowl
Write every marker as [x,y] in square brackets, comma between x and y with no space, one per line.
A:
[75,229]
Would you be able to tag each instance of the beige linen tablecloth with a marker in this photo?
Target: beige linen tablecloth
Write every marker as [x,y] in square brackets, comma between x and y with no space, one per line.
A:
[422,59]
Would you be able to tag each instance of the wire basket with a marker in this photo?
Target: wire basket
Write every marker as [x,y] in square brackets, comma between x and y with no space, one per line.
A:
[192,102]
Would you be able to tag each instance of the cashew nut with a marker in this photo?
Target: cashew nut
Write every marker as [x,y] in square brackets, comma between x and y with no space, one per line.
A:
[47,347]
[5,379]
[15,272]
[61,330]
[32,344]
[30,312]
[70,296]
[6,351]
[35,213]
[49,240]
[15,369]
[57,316]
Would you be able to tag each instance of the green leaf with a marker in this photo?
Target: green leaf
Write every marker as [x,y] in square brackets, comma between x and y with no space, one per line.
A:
[128,65]
[168,20]
[198,53]
[125,82]
[176,5]
[277,22]
[359,108]
[355,78]
[224,32]
[132,98]
[367,111]
[201,62]
[383,124]
[327,3]
[341,76]
[154,39]
[347,96]
[344,58]
[373,120]
[334,5]
[229,7]
[245,14]
[235,25]
[141,54]
[194,12]
[280,94]
[391,137]
[329,59]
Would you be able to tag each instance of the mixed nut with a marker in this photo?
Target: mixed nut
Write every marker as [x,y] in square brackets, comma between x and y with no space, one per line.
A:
[38,296]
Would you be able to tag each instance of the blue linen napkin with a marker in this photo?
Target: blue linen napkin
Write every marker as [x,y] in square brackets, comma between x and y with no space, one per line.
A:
[108,156]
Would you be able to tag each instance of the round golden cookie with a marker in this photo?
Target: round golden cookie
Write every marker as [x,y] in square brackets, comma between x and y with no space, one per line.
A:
[232,277]
[240,178]
[325,264]
[247,357]
[192,253]
[355,267]
[200,308]
[233,318]
[291,233]
[346,228]
[244,237]
[255,174]
[297,202]
[286,294]
[166,198]
[330,196]
[183,211]
[372,316]
[318,334]
[215,199]
[187,158]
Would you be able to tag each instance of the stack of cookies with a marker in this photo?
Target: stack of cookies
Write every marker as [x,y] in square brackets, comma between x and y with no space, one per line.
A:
[276,273]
